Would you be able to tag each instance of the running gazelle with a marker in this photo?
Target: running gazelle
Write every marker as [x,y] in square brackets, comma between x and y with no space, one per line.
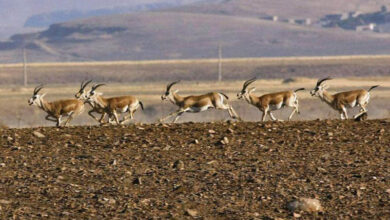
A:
[343,100]
[270,102]
[82,94]
[111,105]
[196,103]
[57,109]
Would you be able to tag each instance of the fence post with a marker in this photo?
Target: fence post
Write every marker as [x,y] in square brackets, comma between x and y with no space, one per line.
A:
[219,63]
[24,67]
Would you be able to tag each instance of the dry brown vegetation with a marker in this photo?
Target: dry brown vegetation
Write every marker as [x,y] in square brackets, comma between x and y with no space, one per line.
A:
[197,70]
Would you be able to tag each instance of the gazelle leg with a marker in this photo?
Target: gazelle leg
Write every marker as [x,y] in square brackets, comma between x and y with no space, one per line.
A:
[115,116]
[93,116]
[177,116]
[265,112]
[170,115]
[101,120]
[125,119]
[345,113]
[272,116]
[234,114]
[59,121]
[293,112]
[229,109]
[297,107]
[51,118]
[362,111]
[363,108]
[342,115]
[111,119]
[230,112]
[70,117]
[128,117]
[132,113]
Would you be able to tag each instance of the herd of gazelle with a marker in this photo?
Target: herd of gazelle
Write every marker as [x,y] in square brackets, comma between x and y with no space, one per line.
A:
[195,103]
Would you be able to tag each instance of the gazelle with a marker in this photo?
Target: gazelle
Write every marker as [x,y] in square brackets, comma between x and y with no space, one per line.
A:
[196,103]
[343,100]
[270,102]
[110,106]
[57,109]
[82,94]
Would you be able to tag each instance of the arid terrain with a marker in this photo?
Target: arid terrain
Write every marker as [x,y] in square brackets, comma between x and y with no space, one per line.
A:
[202,170]
[207,165]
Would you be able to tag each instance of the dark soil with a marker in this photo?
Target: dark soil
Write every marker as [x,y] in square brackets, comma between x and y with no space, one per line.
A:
[201,170]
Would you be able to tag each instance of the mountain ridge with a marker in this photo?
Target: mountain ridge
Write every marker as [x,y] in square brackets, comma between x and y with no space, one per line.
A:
[175,34]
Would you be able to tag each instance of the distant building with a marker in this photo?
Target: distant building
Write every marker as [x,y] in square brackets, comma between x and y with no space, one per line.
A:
[291,21]
[369,27]
[272,18]
[306,21]
[348,15]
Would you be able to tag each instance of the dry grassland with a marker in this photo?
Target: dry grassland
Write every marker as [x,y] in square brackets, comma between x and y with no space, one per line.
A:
[197,70]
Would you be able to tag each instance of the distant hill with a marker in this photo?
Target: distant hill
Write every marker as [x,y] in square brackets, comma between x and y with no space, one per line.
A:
[283,8]
[189,32]
[46,19]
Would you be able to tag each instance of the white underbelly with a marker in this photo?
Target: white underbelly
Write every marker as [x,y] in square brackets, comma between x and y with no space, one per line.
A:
[352,104]
[275,107]
[124,109]
[198,109]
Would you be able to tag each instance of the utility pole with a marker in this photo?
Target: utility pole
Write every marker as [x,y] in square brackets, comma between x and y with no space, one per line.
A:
[24,68]
[219,63]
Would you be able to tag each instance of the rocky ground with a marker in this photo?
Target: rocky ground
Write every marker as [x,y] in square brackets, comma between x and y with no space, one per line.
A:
[197,170]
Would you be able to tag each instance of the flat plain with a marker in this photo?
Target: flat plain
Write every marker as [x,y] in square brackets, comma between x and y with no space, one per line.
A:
[147,80]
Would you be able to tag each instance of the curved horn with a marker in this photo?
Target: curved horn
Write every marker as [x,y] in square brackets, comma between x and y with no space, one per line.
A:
[248,82]
[94,87]
[171,84]
[85,83]
[322,80]
[38,88]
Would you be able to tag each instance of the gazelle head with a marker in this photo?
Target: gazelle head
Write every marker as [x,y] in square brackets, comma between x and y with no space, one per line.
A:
[82,93]
[245,91]
[35,98]
[320,87]
[92,94]
[168,94]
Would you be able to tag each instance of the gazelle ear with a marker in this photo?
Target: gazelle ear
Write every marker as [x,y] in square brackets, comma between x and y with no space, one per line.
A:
[176,91]
[43,95]
[251,89]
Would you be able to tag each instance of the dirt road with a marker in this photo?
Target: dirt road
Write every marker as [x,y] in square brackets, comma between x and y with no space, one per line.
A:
[202,170]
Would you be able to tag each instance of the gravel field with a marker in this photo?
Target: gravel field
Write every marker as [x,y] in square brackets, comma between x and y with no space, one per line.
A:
[230,170]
